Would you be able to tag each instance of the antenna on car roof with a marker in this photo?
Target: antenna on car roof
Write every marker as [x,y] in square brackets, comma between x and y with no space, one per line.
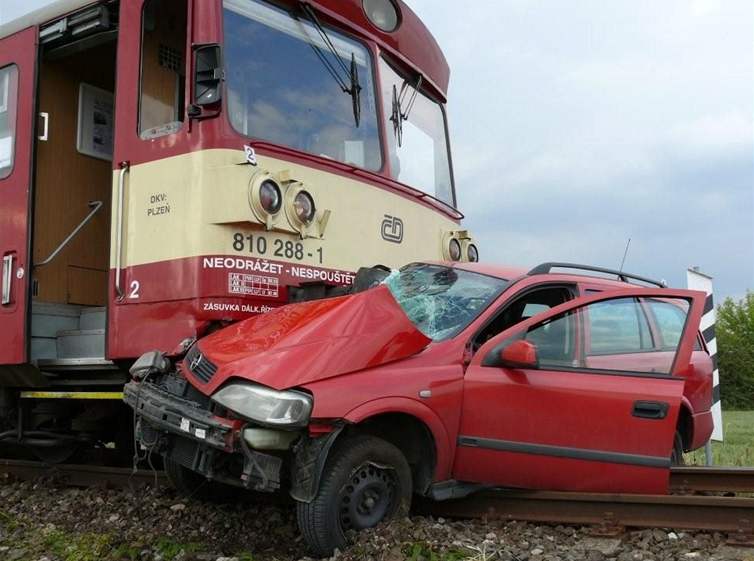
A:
[628,243]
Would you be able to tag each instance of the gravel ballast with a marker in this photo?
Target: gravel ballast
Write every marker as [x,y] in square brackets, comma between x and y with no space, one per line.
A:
[43,521]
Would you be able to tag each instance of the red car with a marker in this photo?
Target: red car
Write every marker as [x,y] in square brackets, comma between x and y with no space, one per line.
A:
[443,379]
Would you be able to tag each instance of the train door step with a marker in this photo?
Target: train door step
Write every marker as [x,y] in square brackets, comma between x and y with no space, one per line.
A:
[93,318]
[68,336]
[47,320]
[61,364]
[81,343]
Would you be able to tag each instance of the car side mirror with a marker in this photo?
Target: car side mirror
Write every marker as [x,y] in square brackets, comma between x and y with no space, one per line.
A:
[208,74]
[519,354]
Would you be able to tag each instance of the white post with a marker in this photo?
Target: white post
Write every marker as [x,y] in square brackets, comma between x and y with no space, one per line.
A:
[696,280]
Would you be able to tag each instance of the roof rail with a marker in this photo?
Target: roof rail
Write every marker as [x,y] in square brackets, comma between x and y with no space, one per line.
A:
[545,268]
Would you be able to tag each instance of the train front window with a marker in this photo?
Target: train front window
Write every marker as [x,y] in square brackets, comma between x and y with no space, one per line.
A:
[417,140]
[280,89]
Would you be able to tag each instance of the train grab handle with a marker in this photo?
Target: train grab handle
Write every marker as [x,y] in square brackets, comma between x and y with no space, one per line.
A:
[95,206]
[124,167]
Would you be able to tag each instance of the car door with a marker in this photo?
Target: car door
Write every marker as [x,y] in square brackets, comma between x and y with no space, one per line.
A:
[537,413]
[17,95]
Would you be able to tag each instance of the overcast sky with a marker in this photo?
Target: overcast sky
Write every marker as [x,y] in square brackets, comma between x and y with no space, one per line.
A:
[576,125]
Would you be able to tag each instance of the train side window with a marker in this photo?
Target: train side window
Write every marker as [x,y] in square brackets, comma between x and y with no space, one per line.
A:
[8,100]
[163,67]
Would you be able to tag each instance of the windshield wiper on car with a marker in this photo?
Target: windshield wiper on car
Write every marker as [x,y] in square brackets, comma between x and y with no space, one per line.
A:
[399,114]
[350,84]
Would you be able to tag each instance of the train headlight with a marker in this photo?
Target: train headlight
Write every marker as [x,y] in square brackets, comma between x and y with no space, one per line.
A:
[472,253]
[454,249]
[270,197]
[265,405]
[383,14]
[265,198]
[304,208]
[300,208]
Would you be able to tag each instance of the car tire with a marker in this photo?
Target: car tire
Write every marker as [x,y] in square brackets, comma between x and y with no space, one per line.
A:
[366,480]
[676,457]
[194,486]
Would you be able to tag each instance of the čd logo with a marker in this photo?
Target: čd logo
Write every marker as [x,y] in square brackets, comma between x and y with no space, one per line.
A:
[392,229]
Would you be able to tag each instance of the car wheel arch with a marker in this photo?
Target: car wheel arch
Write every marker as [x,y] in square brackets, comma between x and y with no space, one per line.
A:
[311,455]
[419,411]
[685,424]
[410,435]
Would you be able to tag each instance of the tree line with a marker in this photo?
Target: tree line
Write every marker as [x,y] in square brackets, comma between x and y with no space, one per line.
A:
[735,351]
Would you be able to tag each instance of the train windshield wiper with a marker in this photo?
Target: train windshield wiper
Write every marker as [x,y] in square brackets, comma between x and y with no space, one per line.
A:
[350,84]
[399,114]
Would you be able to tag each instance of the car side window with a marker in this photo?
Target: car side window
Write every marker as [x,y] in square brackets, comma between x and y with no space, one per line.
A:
[520,308]
[670,318]
[563,342]
[555,341]
[618,337]
[618,326]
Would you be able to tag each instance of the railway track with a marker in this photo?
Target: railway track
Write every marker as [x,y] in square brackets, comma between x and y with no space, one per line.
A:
[703,499]
[696,502]
[79,475]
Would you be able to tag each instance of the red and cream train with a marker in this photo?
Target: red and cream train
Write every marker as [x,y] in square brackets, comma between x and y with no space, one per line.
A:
[170,166]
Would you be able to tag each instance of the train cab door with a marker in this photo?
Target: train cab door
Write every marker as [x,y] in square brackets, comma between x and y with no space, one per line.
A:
[150,131]
[578,398]
[18,56]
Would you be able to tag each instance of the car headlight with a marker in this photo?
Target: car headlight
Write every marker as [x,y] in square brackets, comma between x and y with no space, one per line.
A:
[265,405]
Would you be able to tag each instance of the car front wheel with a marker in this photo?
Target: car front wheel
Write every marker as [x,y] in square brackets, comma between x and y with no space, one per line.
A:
[366,480]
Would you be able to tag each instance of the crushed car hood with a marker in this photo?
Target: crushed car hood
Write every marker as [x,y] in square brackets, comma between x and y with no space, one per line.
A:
[301,343]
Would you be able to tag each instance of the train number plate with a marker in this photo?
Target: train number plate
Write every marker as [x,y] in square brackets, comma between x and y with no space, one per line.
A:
[272,247]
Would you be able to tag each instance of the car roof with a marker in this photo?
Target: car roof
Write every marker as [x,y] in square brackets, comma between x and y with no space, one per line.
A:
[512,273]
[499,271]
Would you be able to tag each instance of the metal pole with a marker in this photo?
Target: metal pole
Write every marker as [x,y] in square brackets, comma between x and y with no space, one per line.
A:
[708,460]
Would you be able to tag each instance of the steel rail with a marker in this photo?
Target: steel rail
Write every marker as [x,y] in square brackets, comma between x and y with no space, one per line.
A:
[689,479]
[725,480]
[83,475]
[690,512]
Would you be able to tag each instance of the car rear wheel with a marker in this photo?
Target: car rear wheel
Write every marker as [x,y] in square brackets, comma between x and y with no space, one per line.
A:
[676,457]
[193,485]
[366,480]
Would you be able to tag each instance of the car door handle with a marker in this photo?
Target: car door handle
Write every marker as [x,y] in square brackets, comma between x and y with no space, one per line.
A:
[651,409]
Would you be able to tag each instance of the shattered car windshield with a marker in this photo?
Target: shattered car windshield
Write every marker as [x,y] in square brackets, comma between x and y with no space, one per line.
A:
[441,301]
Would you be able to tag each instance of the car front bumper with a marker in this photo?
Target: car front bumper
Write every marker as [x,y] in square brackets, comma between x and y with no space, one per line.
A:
[176,415]
[190,434]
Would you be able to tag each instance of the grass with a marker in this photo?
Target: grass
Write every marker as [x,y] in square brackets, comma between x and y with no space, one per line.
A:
[421,551]
[737,448]
[36,541]
[80,547]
